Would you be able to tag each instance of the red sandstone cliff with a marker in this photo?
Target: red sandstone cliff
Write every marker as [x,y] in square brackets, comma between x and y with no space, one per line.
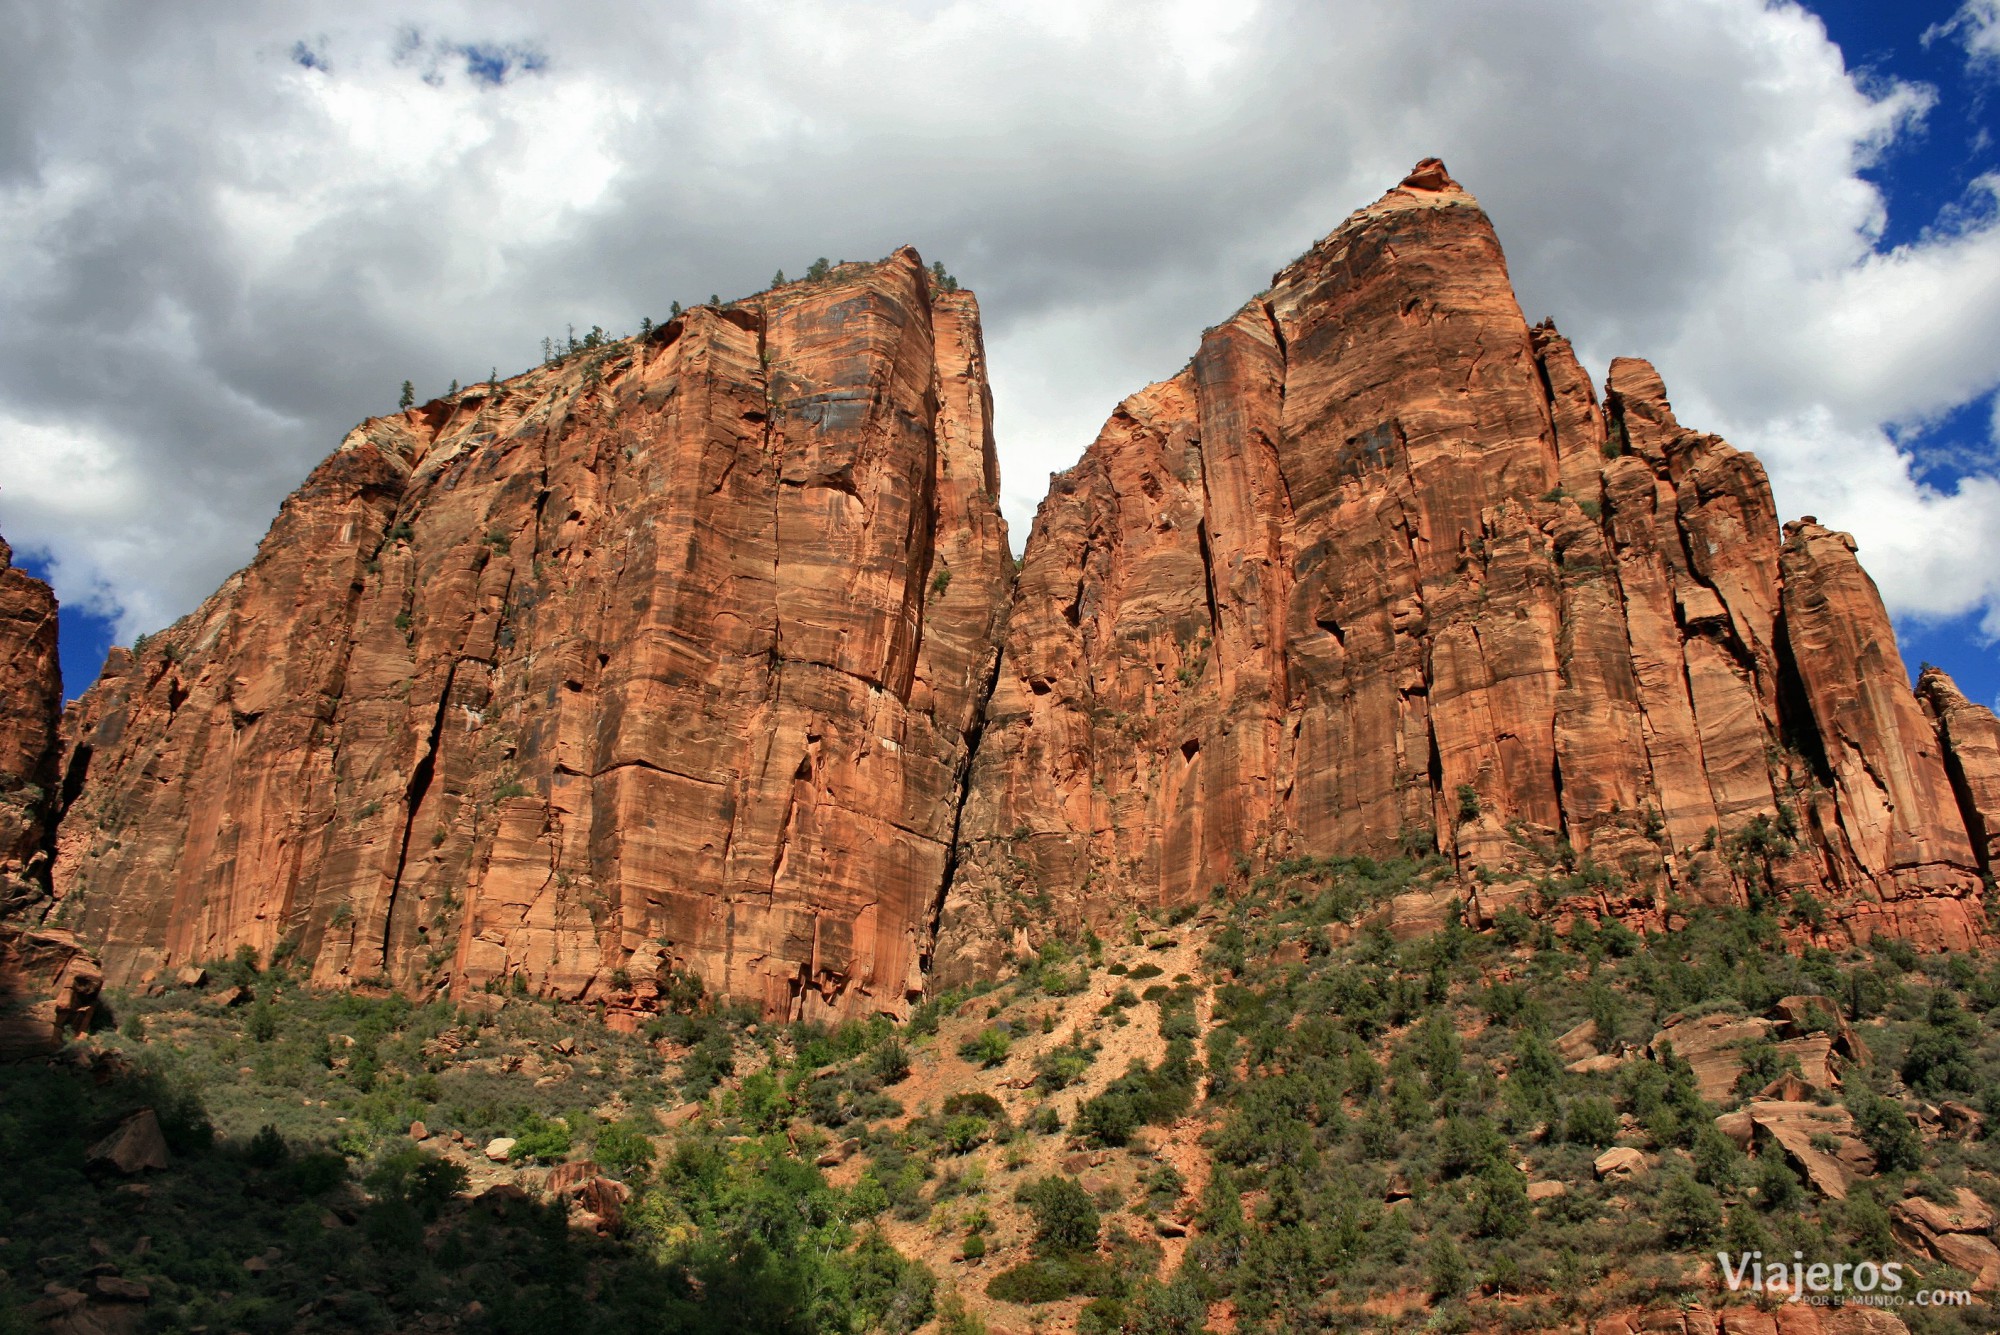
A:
[1378,571]
[48,985]
[678,656]
[30,703]
[663,658]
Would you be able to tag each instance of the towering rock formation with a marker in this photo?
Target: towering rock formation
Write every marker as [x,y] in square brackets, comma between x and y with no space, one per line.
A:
[1971,739]
[665,658]
[30,704]
[48,985]
[686,655]
[1376,571]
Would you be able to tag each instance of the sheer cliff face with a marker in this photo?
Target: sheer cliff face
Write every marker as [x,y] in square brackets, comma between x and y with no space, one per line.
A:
[30,704]
[687,654]
[664,658]
[1377,571]
[48,984]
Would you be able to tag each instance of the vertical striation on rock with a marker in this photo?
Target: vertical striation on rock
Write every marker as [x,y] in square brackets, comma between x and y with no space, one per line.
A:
[1971,739]
[702,653]
[48,984]
[664,658]
[30,705]
[1378,571]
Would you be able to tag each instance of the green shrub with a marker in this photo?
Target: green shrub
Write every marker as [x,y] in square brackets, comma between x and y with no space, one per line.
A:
[1045,1280]
[267,1149]
[891,1061]
[1061,1067]
[1887,1130]
[1446,1270]
[989,1047]
[1065,1218]
[1690,1213]
[1592,1121]
[622,1149]
[543,1139]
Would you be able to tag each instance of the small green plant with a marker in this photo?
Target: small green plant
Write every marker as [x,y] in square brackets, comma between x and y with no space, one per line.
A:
[542,1138]
[409,396]
[989,1047]
[622,1148]
[1468,804]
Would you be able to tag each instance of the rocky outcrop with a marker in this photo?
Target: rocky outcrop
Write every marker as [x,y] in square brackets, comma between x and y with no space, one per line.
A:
[1959,1234]
[48,983]
[1783,1319]
[1971,739]
[664,660]
[1895,825]
[1378,572]
[30,705]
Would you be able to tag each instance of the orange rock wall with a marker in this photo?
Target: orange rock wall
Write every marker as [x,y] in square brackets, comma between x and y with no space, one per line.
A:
[700,653]
[30,704]
[1378,572]
[663,658]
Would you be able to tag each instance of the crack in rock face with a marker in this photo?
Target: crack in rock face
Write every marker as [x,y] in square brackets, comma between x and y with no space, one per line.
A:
[702,655]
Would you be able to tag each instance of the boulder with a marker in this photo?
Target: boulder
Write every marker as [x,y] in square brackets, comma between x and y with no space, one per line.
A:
[112,1288]
[500,1148]
[1579,1042]
[1960,1235]
[1620,1161]
[1711,1044]
[136,1145]
[1791,1128]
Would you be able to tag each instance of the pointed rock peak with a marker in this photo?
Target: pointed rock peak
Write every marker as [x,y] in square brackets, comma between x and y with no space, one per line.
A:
[1807,528]
[1636,383]
[1638,400]
[1936,685]
[1430,174]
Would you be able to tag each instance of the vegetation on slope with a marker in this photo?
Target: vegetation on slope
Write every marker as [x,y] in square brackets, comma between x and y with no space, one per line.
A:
[1270,1113]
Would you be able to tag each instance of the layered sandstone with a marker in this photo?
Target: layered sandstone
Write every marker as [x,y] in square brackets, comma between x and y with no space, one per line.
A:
[30,704]
[1971,739]
[1378,571]
[696,653]
[48,984]
[665,658]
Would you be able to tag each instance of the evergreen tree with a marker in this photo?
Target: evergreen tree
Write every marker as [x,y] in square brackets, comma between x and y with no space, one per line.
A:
[409,395]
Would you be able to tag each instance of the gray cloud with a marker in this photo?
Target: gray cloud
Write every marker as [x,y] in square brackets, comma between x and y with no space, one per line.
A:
[231,233]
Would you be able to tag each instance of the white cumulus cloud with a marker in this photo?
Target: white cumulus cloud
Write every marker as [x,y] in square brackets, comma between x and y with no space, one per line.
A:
[228,232]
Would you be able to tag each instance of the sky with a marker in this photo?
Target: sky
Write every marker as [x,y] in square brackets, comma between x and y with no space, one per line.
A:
[228,232]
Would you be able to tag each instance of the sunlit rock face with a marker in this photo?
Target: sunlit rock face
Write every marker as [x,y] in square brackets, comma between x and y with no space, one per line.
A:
[662,658]
[701,655]
[1378,571]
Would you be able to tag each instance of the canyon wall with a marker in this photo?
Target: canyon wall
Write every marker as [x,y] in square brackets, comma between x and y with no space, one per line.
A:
[701,654]
[664,659]
[1378,572]
[48,983]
